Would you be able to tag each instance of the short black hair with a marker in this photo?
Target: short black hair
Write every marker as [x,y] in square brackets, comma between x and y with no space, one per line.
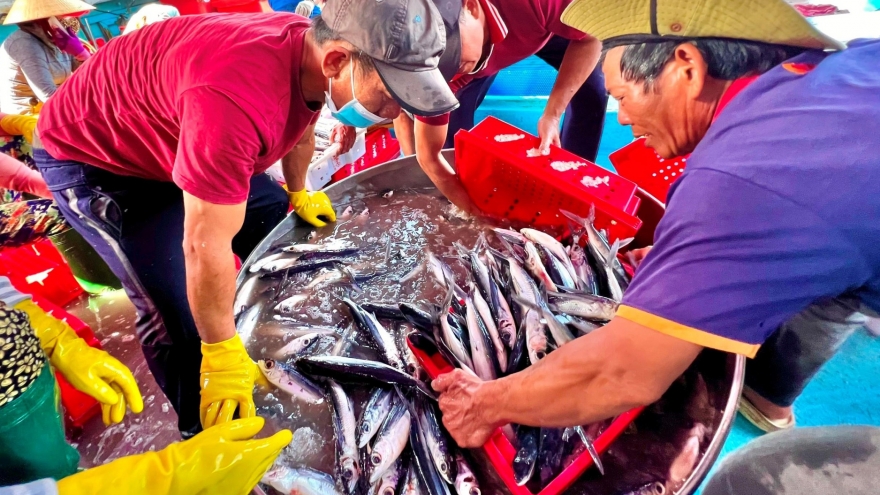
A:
[726,59]
[324,33]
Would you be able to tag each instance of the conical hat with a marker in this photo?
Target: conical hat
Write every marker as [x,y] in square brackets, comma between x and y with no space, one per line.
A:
[31,10]
[768,21]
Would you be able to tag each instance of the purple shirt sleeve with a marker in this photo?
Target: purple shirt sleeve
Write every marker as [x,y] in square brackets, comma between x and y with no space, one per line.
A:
[732,261]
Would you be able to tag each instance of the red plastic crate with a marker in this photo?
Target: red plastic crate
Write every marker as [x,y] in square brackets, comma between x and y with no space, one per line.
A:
[40,270]
[501,452]
[381,147]
[505,182]
[644,166]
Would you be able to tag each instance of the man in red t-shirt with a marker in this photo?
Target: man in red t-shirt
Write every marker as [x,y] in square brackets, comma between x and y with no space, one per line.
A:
[154,151]
[484,37]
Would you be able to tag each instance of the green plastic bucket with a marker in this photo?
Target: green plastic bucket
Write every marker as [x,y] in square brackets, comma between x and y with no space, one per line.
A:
[32,443]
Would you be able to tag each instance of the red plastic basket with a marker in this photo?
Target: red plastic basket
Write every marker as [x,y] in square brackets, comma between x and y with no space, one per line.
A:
[501,452]
[505,182]
[644,166]
[381,147]
[40,270]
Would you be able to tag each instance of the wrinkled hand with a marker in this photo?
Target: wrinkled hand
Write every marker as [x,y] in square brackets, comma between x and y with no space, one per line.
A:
[345,136]
[223,460]
[548,131]
[311,206]
[228,376]
[463,413]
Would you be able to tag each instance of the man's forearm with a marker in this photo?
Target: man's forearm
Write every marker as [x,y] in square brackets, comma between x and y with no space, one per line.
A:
[404,130]
[444,177]
[295,165]
[210,282]
[589,379]
[578,63]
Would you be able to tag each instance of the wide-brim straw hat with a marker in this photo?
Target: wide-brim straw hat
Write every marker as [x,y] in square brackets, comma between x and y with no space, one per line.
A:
[31,10]
[624,22]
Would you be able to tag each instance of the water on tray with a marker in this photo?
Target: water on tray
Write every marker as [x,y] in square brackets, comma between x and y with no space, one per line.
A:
[414,223]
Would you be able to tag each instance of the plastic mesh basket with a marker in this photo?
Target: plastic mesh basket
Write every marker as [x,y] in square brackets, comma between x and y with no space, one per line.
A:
[643,166]
[504,181]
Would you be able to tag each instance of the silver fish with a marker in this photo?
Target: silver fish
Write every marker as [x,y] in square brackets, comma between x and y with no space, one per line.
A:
[335,246]
[561,334]
[302,481]
[596,308]
[312,235]
[363,216]
[289,305]
[387,484]
[244,295]
[346,444]
[390,440]
[483,311]
[288,379]
[557,270]
[455,345]
[438,443]
[411,486]
[279,264]
[480,346]
[297,345]
[465,482]
[684,463]
[585,277]
[536,337]
[411,363]
[374,414]
[346,214]
[510,236]
[598,242]
[613,282]
[388,194]
[259,264]
[588,443]
[552,245]
[536,267]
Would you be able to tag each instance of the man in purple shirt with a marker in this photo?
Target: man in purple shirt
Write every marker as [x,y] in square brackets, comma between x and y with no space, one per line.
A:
[771,232]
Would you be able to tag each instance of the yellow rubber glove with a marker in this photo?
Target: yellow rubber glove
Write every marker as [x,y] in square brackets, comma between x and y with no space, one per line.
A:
[311,205]
[91,371]
[19,125]
[223,460]
[228,376]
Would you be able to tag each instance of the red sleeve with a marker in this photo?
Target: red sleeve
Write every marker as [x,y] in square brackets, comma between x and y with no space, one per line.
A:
[435,120]
[218,147]
[553,13]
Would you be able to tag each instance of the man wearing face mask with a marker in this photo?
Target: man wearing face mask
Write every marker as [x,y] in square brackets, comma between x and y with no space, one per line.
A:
[155,150]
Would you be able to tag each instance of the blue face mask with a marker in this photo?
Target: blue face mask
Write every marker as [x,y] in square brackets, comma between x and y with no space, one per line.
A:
[352,113]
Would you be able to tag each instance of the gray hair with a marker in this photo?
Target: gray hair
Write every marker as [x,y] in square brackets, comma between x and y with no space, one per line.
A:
[324,33]
[726,59]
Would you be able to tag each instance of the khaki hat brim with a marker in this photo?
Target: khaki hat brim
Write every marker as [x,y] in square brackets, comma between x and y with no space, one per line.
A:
[767,21]
[32,10]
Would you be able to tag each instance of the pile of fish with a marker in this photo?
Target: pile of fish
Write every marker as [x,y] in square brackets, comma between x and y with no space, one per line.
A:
[521,299]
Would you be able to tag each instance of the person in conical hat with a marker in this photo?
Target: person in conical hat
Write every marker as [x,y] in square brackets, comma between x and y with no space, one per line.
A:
[41,55]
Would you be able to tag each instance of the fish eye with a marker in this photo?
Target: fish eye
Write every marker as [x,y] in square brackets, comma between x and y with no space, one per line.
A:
[659,488]
[270,364]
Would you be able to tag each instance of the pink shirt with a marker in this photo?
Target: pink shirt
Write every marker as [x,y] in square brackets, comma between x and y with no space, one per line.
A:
[205,101]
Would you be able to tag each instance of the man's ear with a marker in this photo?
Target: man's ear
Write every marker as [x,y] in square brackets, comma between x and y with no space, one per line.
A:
[689,65]
[472,7]
[336,57]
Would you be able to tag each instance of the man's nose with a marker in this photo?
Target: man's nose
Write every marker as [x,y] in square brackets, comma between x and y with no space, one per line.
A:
[623,117]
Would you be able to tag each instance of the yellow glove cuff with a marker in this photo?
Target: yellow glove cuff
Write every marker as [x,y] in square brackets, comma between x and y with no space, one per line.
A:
[50,330]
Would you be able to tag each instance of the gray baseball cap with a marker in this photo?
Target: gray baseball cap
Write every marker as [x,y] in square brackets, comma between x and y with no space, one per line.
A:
[405,39]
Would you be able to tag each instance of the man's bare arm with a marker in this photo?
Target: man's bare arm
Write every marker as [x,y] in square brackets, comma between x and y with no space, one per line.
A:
[429,147]
[295,164]
[613,369]
[208,230]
